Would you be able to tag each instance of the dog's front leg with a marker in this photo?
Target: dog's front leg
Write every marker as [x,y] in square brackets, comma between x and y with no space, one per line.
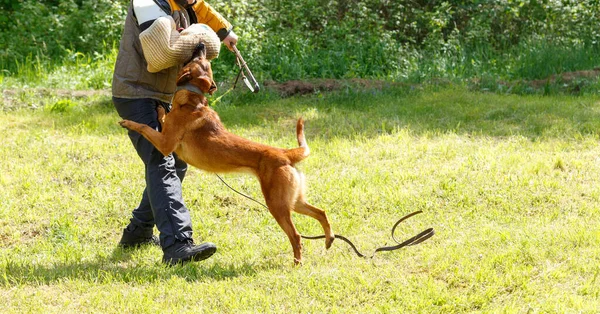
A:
[163,142]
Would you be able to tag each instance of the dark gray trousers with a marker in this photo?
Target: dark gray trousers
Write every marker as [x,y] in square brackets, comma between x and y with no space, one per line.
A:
[162,201]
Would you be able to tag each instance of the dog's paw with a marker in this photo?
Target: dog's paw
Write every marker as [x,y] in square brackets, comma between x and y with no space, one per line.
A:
[125,124]
[329,242]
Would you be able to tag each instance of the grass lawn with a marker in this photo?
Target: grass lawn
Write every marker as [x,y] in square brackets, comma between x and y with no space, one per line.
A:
[511,185]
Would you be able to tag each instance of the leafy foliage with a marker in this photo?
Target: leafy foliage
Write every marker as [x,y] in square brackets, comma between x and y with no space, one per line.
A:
[287,39]
[53,30]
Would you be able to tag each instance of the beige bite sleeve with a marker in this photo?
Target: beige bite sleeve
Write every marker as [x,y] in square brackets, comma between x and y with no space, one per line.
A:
[164,46]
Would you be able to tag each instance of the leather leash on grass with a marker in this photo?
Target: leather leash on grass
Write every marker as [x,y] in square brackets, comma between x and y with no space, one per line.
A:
[419,238]
[422,236]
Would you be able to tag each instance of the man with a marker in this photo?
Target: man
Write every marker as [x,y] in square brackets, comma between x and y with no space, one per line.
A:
[158,37]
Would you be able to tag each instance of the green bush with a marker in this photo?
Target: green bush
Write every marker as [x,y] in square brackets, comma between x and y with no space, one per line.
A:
[51,30]
[285,39]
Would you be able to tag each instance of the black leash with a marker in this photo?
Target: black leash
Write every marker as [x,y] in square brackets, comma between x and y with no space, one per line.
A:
[419,238]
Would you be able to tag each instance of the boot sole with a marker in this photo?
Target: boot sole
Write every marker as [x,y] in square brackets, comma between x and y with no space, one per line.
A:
[200,256]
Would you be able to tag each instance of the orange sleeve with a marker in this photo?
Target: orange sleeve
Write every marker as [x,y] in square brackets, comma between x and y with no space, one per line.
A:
[207,15]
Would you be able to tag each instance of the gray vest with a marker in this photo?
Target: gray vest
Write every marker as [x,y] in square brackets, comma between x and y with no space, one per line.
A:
[131,78]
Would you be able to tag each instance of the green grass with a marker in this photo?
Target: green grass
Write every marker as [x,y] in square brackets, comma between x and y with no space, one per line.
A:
[510,183]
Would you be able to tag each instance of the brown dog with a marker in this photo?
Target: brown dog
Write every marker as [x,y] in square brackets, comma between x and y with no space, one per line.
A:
[195,133]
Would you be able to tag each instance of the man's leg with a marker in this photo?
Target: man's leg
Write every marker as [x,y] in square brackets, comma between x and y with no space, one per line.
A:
[141,224]
[140,229]
[163,188]
[164,175]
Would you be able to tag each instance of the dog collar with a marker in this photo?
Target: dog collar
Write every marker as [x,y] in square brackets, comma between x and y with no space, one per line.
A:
[191,88]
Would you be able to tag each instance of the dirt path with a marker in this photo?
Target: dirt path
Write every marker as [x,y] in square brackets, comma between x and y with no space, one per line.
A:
[303,87]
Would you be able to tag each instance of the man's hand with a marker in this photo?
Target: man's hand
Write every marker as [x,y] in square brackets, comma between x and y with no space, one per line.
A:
[230,40]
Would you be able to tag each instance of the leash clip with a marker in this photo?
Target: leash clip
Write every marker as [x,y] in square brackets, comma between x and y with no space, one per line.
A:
[252,86]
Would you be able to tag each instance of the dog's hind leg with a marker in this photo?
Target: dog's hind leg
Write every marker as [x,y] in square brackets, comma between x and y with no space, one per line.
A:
[285,222]
[302,207]
[280,189]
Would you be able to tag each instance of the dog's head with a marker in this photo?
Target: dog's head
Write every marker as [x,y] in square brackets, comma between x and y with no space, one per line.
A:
[198,72]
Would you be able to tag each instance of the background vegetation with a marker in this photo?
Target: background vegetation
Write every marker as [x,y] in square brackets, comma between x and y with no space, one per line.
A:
[411,41]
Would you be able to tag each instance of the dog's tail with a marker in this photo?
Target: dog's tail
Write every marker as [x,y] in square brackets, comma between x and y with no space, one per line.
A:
[298,154]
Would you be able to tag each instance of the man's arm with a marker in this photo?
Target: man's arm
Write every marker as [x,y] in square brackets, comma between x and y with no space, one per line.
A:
[209,16]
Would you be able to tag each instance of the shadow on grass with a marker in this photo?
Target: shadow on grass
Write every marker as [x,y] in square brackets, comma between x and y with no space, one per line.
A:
[118,268]
[372,112]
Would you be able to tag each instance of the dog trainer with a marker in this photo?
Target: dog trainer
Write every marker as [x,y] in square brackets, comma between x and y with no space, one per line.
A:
[158,37]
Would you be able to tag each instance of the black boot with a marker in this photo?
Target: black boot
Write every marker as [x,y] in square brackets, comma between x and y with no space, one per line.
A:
[185,251]
[134,236]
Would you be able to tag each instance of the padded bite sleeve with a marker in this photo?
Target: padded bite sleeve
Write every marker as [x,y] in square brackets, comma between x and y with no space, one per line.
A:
[164,46]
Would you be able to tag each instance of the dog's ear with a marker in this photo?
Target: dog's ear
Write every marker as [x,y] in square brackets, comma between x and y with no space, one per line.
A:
[184,78]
